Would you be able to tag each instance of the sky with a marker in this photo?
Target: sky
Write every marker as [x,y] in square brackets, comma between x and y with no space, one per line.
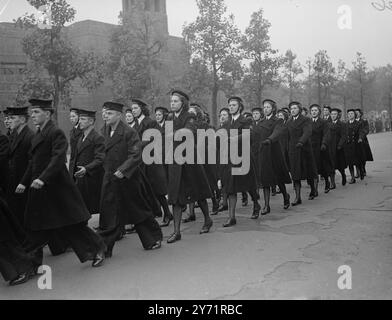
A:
[304,26]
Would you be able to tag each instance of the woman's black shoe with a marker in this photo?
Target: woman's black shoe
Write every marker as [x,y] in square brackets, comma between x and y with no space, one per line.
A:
[174,238]
[352,181]
[223,208]
[230,223]
[23,278]
[311,196]
[286,202]
[156,246]
[206,228]
[344,180]
[266,211]
[189,219]
[297,203]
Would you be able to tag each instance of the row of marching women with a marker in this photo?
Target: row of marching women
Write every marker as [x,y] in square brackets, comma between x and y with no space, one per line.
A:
[44,202]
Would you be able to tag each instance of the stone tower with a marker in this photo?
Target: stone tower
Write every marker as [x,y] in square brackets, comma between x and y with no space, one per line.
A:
[155,10]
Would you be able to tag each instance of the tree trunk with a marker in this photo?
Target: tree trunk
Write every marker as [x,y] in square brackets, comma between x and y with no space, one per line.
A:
[56,98]
[215,91]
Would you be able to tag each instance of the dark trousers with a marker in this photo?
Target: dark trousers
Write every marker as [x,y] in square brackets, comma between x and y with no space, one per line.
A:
[149,233]
[84,241]
[14,261]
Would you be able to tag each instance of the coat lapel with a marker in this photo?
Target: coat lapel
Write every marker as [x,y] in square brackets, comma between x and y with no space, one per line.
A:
[17,139]
[84,144]
[39,137]
[117,136]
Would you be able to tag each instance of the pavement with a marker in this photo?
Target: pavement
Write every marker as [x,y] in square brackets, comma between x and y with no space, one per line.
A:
[294,254]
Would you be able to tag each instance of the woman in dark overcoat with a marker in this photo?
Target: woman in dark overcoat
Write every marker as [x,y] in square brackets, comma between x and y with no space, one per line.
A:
[336,147]
[272,166]
[155,173]
[188,183]
[210,169]
[363,132]
[76,133]
[353,149]
[302,164]
[284,137]
[320,145]
[247,182]
[161,114]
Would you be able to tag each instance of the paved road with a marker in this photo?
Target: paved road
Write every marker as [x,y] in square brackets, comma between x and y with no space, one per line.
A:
[286,255]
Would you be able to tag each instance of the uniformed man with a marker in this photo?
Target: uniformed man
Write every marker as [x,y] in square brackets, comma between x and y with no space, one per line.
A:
[127,197]
[18,159]
[75,132]
[55,206]
[86,167]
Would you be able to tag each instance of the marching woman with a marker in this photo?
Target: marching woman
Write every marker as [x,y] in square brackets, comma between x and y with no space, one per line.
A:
[302,164]
[284,137]
[233,184]
[272,166]
[320,147]
[161,114]
[338,140]
[155,173]
[224,119]
[210,169]
[188,183]
[352,149]
[363,140]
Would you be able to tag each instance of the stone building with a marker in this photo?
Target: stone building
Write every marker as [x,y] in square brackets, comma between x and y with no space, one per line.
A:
[95,36]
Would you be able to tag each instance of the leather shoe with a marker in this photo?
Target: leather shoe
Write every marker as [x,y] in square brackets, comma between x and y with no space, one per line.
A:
[130,231]
[244,203]
[311,196]
[333,186]
[344,180]
[256,208]
[189,219]
[174,238]
[352,181]
[297,202]
[23,278]
[223,208]
[230,223]
[266,211]
[255,216]
[286,202]
[164,224]
[206,228]
[156,246]
[98,260]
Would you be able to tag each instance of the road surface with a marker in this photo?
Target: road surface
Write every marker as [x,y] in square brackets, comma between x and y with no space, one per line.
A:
[292,254]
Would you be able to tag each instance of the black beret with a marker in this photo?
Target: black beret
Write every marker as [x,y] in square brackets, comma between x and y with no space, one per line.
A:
[272,102]
[224,109]
[165,110]
[327,107]
[292,103]
[43,104]
[115,106]
[336,109]
[17,111]
[235,98]
[257,109]
[86,113]
[315,105]
[247,114]
[351,110]
[180,93]
[140,102]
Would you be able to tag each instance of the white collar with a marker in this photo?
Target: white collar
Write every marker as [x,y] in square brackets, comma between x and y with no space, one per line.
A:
[236,116]
[132,124]
[315,119]
[295,118]
[269,117]
[141,118]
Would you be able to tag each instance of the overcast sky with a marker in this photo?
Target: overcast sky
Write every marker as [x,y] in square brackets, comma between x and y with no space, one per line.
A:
[304,26]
